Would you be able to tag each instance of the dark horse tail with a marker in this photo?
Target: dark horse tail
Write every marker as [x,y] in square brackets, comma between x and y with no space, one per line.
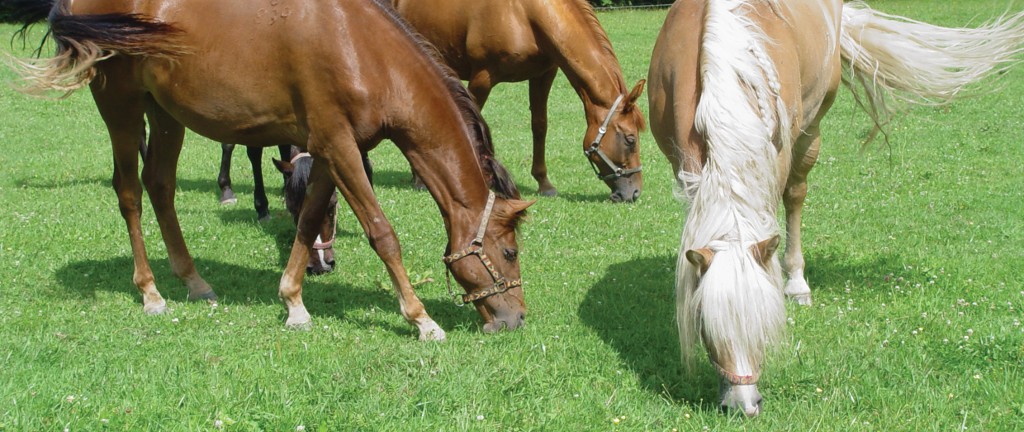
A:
[24,12]
[85,40]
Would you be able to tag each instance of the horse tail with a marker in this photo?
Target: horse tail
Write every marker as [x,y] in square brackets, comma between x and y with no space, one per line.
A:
[84,40]
[25,12]
[740,115]
[889,58]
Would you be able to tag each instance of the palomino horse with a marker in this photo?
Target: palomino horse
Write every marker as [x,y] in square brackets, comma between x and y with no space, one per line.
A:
[259,191]
[314,80]
[489,42]
[738,89]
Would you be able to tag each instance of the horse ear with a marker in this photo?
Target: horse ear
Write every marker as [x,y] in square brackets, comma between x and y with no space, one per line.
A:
[518,206]
[634,96]
[701,258]
[764,250]
[284,167]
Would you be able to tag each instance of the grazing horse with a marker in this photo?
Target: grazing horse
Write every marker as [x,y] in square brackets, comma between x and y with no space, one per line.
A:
[296,170]
[737,92]
[330,76]
[489,42]
[259,191]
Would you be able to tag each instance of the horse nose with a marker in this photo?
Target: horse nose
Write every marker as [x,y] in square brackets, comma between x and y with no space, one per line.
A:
[501,324]
[625,196]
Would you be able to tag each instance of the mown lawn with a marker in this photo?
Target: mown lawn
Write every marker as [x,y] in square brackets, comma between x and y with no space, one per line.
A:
[913,250]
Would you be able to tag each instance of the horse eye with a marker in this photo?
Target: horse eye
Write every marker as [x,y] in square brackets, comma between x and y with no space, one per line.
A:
[511,255]
[631,140]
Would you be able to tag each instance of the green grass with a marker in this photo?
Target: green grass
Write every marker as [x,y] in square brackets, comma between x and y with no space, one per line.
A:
[913,255]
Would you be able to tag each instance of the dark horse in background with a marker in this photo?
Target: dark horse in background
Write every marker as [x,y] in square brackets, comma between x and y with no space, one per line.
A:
[490,42]
[332,77]
[259,191]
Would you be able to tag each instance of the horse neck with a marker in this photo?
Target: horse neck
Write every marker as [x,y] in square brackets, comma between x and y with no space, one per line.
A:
[742,118]
[584,53]
[444,158]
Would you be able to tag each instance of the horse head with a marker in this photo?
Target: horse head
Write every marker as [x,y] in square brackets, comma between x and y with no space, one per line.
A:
[488,269]
[739,312]
[296,173]
[612,145]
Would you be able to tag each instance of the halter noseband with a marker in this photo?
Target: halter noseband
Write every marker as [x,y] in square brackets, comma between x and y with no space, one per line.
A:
[595,147]
[735,379]
[318,245]
[476,247]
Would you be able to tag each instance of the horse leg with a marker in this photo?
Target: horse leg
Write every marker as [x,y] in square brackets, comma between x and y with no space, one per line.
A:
[124,118]
[227,196]
[793,199]
[341,167]
[259,192]
[540,88]
[159,177]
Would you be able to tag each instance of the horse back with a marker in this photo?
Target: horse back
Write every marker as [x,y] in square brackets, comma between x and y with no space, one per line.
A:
[801,41]
[473,35]
[262,74]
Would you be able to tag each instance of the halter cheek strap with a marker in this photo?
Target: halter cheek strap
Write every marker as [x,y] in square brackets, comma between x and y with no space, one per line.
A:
[476,247]
[595,148]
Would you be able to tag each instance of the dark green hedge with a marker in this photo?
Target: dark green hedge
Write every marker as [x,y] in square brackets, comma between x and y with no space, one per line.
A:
[600,3]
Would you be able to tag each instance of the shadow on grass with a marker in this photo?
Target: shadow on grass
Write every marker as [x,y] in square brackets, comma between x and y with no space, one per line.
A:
[324,296]
[633,309]
[597,197]
[53,183]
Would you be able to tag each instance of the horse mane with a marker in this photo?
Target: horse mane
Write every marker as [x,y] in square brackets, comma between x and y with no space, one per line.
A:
[498,177]
[589,17]
[734,197]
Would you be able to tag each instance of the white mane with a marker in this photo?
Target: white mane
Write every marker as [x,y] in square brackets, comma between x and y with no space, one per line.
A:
[733,200]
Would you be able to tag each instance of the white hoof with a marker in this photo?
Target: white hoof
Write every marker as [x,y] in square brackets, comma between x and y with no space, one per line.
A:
[155,308]
[430,331]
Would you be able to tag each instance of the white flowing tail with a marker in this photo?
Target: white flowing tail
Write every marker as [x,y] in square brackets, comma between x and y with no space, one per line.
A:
[895,59]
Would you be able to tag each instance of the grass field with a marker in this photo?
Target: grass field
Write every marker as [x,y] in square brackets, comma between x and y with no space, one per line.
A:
[913,254]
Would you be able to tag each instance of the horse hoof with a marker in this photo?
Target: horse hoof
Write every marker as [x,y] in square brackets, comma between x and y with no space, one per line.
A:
[299,325]
[229,201]
[434,334]
[209,296]
[156,308]
[801,299]
[548,192]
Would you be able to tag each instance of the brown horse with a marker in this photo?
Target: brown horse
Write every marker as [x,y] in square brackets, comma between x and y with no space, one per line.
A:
[490,42]
[310,75]
[738,89]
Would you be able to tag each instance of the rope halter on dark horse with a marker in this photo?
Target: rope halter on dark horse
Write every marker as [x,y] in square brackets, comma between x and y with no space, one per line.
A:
[319,244]
[476,247]
[595,147]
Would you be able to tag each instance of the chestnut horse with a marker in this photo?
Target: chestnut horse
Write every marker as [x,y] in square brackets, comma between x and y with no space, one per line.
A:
[313,80]
[738,89]
[490,42]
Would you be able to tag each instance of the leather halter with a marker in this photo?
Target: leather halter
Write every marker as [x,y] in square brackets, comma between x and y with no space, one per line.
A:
[735,379]
[318,245]
[476,247]
[595,147]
